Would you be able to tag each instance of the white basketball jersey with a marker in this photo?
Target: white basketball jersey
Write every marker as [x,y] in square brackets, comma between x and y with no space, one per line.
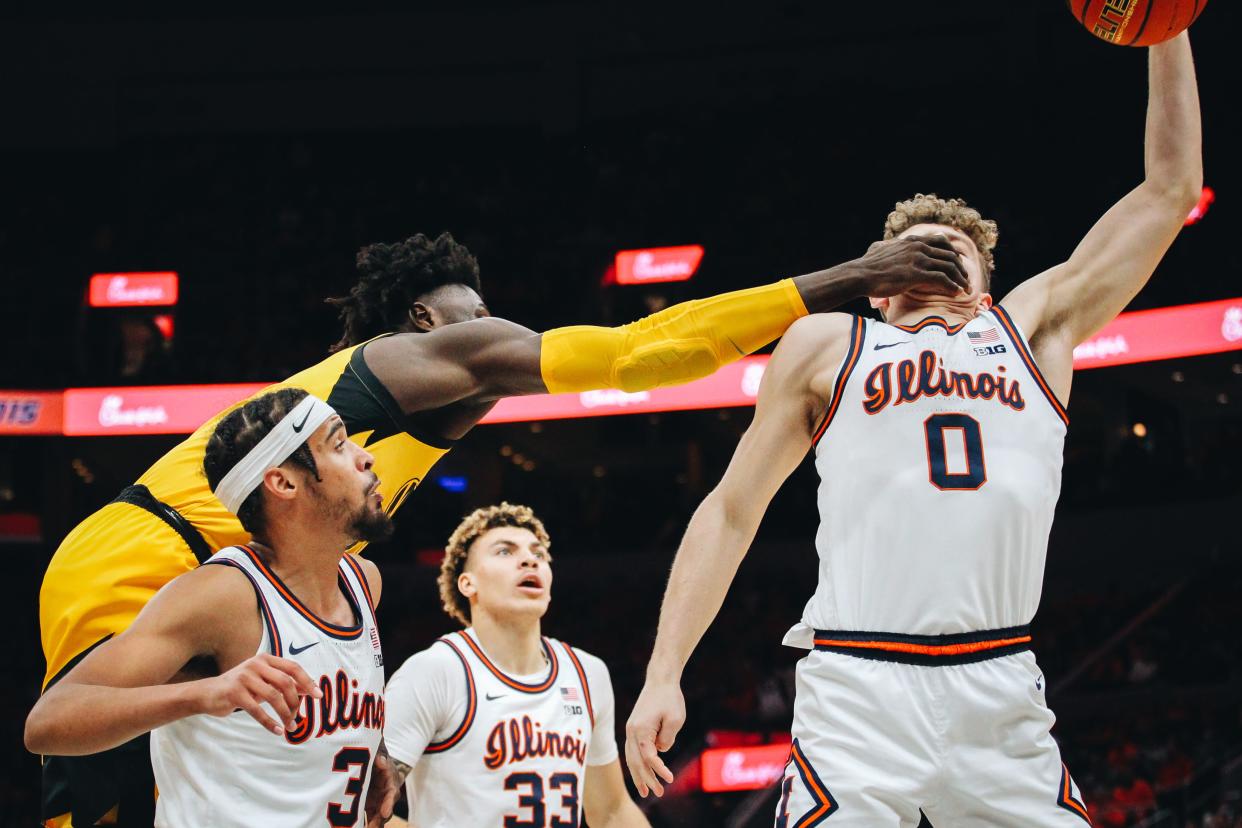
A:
[230,771]
[940,466]
[519,755]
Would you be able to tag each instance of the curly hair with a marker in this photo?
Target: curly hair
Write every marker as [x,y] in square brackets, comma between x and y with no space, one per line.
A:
[394,277]
[953,212]
[238,432]
[472,527]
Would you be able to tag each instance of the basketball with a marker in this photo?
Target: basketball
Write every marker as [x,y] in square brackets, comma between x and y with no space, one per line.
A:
[1136,22]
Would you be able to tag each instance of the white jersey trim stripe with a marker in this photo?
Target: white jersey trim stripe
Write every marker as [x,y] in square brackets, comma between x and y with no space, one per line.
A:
[472,704]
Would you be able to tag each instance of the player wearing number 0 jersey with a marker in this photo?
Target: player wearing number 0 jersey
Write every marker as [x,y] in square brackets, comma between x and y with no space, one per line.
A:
[937,436]
[260,674]
[496,725]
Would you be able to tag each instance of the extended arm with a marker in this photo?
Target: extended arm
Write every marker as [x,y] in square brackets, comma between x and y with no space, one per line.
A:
[607,803]
[120,690]
[486,359]
[1070,302]
[721,531]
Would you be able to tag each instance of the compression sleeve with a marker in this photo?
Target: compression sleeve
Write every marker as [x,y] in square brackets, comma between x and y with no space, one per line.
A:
[679,344]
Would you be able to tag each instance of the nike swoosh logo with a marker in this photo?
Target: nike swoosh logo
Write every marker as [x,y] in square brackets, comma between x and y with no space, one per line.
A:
[880,347]
[490,697]
[297,429]
[295,650]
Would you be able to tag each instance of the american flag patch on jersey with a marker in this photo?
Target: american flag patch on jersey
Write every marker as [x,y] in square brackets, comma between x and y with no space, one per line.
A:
[570,694]
[990,335]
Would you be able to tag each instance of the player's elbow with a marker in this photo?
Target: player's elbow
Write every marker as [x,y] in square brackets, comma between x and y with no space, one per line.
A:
[38,735]
[1180,191]
[734,512]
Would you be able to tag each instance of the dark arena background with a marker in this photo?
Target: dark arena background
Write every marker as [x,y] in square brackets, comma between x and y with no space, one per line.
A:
[253,152]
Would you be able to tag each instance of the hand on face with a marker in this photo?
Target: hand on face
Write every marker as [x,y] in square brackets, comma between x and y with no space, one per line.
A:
[928,263]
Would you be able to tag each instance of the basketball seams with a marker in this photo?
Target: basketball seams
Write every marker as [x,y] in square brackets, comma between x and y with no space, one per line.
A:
[1160,20]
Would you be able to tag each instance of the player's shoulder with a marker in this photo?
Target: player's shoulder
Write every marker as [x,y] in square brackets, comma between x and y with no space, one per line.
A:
[820,326]
[479,331]
[812,344]
[209,595]
[433,663]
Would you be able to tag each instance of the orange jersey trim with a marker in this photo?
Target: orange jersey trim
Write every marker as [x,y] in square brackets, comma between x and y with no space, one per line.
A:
[586,687]
[362,579]
[847,367]
[514,683]
[925,649]
[1002,316]
[472,705]
[931,320]
[331,629]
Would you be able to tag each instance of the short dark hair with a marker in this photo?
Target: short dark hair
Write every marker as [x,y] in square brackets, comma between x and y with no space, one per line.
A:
[394,276]
[238,432]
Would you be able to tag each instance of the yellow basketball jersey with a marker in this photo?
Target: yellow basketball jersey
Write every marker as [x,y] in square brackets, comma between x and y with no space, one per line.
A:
[371,416]
[114,561]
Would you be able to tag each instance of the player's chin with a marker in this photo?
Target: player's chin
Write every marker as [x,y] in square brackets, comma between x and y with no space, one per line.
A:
[530,600]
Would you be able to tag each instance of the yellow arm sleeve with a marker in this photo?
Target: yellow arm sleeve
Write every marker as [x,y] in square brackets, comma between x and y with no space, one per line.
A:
[676,345]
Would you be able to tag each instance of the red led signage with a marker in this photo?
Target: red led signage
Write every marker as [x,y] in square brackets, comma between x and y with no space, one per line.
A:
[742,768]
[658,264]
[153,409]
[121,290]
[31,412]
[1141,336]
[1164,333]
[1205,201]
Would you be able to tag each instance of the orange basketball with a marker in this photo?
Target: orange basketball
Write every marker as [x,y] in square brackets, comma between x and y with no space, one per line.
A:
[1136,22]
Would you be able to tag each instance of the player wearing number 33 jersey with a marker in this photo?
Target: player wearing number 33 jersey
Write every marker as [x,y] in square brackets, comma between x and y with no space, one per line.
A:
[495,725]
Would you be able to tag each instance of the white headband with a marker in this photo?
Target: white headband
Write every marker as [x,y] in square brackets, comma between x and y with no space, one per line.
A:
[291,432]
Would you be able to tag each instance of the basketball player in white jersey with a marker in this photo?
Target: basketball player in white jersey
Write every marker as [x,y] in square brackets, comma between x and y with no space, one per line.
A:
[497,725]
[938,438]
[258,674]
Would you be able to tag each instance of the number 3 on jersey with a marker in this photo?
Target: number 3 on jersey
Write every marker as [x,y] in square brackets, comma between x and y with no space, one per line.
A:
[955,452]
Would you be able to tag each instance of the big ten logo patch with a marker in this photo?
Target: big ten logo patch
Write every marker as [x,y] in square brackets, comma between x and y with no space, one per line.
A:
[376,653]
[572,701]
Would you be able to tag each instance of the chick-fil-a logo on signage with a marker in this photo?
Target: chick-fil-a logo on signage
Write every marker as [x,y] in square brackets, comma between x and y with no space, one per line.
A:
[120,290]
[742,768]
[658,264]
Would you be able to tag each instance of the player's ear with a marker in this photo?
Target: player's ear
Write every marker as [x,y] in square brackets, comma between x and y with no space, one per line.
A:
[985,302]
[465,584]
[280,483]
[421,317]
[879,303]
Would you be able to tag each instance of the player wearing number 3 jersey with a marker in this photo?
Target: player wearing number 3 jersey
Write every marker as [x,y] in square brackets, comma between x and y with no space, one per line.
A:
[937,436]
[259,674]
[497,725]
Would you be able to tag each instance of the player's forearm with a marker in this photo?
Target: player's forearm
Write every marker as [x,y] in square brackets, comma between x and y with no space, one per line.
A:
[78,719]
[703,570]
[1174,145]
[692,339]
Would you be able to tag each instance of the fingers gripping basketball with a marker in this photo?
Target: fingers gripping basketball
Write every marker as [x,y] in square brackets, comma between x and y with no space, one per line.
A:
[1136,22]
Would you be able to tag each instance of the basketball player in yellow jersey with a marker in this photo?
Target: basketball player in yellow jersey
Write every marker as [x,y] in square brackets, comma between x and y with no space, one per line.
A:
[406,397]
